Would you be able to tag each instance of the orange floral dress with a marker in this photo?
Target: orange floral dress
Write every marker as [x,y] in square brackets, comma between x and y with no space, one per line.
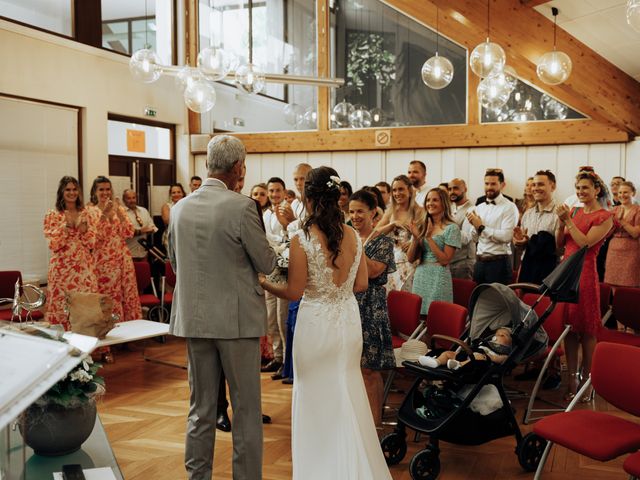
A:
[71,267]
[114,265]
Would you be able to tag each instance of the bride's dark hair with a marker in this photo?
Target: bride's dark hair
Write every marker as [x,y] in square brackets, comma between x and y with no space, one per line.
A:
[322,189]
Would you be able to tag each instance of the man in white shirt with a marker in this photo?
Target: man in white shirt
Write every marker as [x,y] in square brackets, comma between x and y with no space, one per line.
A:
[385,190]
[461,265]
[491,224]
[142,223]
[275,224]
[417,173]
[537,230]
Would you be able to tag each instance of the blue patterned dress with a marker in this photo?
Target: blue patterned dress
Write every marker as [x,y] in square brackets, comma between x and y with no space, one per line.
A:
[432,281]
[377,351]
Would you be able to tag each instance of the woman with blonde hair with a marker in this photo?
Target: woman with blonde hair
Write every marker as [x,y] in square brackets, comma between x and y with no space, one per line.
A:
[434,246]
[396,223]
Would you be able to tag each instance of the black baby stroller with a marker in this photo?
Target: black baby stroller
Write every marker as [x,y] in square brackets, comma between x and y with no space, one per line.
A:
[447,409]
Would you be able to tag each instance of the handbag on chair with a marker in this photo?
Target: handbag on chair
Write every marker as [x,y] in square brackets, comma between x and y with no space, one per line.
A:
[90,313]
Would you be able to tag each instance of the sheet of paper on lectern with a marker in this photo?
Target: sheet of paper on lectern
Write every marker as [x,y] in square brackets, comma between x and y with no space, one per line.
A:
[104,473]
[29,366]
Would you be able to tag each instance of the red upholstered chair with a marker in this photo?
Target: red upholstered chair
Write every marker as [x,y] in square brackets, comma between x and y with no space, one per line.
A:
[7,288]
[169,278]
[404,315]
[605,300]
[632,465]
[625,308]
[143,277]
[556,328]
[444,318]
[615,376]
[462,290]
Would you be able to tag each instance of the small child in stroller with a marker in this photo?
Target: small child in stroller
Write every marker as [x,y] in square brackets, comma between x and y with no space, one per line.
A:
[495,349]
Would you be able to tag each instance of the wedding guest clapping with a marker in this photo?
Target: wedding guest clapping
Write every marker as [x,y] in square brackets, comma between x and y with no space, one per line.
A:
[70,231]
[623,258]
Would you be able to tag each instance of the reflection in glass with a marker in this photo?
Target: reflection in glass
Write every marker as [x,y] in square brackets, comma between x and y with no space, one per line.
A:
[380,53]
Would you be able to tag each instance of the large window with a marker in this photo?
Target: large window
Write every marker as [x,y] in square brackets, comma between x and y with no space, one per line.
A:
[380,53]
[52,15]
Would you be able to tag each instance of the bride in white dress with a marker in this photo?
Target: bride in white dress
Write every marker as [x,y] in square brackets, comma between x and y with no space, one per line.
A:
[333,434]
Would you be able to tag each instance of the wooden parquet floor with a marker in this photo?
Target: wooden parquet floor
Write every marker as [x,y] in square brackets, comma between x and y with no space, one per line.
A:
[144,414]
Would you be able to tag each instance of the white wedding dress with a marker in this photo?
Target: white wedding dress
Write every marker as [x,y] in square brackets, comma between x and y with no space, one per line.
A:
[333,435]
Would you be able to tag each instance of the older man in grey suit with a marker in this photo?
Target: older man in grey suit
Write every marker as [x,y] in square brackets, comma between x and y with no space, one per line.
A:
[217,246]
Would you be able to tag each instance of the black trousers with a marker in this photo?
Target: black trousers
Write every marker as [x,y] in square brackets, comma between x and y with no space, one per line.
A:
[498,271]
[223,403]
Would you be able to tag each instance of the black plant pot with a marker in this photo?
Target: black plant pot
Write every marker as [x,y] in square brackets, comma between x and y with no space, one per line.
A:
[53,430]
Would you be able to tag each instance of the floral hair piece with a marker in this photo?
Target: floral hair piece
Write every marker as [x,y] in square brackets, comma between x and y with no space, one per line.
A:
[334,182]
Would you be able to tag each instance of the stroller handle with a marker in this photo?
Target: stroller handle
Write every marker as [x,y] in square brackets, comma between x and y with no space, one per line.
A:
[455,340]
[529,287]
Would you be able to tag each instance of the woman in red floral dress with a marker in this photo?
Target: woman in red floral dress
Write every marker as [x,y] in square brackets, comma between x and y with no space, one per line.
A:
[588,225]
[71,234]
[114,266]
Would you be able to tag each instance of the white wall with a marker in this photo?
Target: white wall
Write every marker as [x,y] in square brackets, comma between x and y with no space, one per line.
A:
[368,167]
[45,67]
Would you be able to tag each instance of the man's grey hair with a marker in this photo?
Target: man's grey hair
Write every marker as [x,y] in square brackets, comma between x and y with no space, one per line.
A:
[223,151]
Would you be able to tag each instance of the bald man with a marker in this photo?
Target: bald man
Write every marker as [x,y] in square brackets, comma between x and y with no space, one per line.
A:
[463,260]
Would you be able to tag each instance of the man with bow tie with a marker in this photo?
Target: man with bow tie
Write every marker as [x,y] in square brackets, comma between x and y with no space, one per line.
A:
[491,225]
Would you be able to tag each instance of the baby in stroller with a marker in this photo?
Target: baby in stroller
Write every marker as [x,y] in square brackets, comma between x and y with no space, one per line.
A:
[495,349]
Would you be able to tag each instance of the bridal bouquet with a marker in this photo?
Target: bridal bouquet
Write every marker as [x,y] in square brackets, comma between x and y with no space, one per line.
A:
[279,274]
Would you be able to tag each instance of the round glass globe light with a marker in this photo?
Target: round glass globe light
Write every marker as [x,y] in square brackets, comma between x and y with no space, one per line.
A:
[200,96]
[633,14]
[493,92]
[486,58]
[378,117]
[341,112]
[510,76]
[214,63]
[554,67]
[292,113]
[523,116]
[144,66]
[437,72]
[185,76]
[360,117]
[310,118]
[250,79]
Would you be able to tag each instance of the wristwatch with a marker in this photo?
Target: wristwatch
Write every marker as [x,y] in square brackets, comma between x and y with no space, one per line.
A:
[480,229]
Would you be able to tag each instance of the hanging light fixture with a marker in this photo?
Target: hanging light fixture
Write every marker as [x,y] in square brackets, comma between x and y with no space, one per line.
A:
[487,57]
[554,67]
[437,72]
[214,62]
[144,64]
[249,78]
[633,14]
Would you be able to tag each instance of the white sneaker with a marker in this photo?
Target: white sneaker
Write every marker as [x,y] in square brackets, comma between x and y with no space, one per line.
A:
[430,362]
[453,364]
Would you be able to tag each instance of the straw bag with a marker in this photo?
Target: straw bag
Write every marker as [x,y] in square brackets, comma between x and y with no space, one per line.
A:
[90,313]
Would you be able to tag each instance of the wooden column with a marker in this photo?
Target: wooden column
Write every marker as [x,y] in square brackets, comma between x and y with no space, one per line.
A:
[191,43]
[324,62]
[87,22]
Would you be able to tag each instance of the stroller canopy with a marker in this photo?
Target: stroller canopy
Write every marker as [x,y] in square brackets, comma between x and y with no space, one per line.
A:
[494,305]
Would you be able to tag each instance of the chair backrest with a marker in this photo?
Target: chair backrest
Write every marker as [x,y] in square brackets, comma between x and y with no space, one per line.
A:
[143,275]
[169,274]
[605,298]
[446,318]
[8,281]
[615,375]
[555,322]
[626,305]
[404,311]
[462,289]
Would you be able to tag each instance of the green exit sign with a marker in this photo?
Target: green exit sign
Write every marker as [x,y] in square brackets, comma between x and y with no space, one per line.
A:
[150,112]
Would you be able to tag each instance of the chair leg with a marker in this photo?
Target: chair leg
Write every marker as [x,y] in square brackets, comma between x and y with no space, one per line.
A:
[543,460]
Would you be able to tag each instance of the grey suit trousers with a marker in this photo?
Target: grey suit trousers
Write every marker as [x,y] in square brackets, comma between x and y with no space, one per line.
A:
[240,359]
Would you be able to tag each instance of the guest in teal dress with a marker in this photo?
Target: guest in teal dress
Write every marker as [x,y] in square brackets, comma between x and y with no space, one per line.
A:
[434,245]
[377,349]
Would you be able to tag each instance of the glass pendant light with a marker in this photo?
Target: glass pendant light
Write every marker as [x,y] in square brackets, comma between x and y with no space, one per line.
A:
[249,78]
[341,113]
[493,92]
[487,57]
[437,72]
[200,96]
[633,14]
[554,67]
[144,64]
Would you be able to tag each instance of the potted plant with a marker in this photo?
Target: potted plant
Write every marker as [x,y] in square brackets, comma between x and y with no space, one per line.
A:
[62,419]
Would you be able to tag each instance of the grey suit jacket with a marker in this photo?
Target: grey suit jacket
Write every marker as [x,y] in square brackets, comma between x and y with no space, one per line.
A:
[217,246]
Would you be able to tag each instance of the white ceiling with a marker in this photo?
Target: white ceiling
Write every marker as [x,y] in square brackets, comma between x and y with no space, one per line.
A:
[602,26]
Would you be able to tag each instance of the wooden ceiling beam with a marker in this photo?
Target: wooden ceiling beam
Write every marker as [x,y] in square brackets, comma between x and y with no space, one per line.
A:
[596,87]
[533,3]
[450,136]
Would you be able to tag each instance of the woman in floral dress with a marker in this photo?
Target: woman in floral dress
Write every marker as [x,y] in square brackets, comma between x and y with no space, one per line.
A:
[434,245]
[395,222]
[71,234]
[377,349]
[114,266]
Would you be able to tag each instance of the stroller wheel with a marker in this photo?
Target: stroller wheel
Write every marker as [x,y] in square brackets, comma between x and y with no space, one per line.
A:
[158,314]
[394,447]
[425,465]
[530,451]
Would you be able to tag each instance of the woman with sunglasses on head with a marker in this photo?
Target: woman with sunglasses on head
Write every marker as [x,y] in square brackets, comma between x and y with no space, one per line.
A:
[70,231]
[584,226]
